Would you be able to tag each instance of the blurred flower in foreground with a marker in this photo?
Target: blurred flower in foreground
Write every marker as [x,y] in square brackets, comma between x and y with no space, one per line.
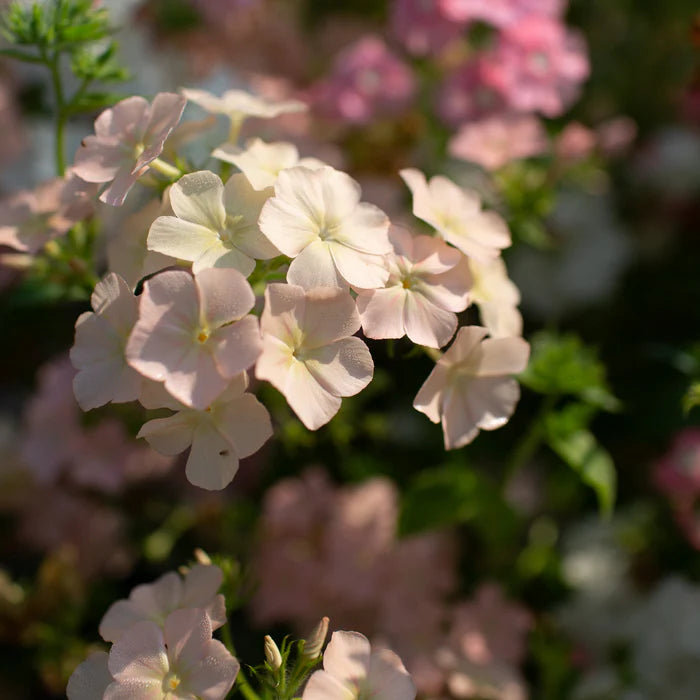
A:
[421,27]
[352,670]
[367,81]
[500,13]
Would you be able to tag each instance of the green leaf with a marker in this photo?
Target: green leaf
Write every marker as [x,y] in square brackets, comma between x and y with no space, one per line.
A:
[21,56]
[92,101]
[692,397]
[567,434]
[453,494]
[562,364]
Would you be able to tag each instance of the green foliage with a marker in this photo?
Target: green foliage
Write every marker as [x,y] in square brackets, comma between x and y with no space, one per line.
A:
[561,364]
[691,399]
[566,432]
[454,494]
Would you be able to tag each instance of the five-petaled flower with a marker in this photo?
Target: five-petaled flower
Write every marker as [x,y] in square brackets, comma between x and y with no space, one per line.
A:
[128,138]
[471,386]
[309,352]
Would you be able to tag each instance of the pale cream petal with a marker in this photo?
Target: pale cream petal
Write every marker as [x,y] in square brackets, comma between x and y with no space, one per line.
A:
[324,686]
[198,198]
[213,461]
[90,679]
[427,324]
[359,269]
[449,290]
[224,296]
[365,229]
[237,346]
[347,657]
[181,239]
[315,267]
[429,397]
[285,307]
[343,368]
[388,679]
[246,423]
[459,422]
[382,312]
[213,676]
[223,257]
[329,314]
[112,300]
[309,400]
[139,654]
[492,400]
[503,356]
[501,319]
[171,435]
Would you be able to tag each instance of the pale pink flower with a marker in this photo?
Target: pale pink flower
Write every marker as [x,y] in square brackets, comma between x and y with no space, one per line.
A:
[575,142]
[421,27]
[90,679]
[500,13]
[234,426]
[541,65]
[457,216]
[214,225]
[179,660]
[262,162]
[237,105]
[51,422]
[497,298]
[154,602]
[316,217]
[498,140]
[127,254]
[472,91]
[338,553]
[28,219]
[194,334]
[428,285]
[490,628]
[366,82]
[128,137]
[309,351]
[471,387]
[98,351]
[352,670]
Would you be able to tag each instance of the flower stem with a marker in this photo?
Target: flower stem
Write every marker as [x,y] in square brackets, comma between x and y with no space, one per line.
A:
[170,171]
[52,63]
[241,681]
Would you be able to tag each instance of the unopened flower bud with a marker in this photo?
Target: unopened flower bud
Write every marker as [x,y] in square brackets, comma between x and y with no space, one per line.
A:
[272,653]
[314,642]
[202,557]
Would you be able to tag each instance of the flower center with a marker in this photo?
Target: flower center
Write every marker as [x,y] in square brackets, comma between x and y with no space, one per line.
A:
[233,227]
[202,336]
[171,682]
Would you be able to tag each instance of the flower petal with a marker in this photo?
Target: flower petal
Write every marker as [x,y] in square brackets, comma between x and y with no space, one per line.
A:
[198,198]
[170,435]
[343,368]
[139,654]
[382,312]
[224,296]
[315,267]
[213,461]
[90,679]
[427,324]
[347,657]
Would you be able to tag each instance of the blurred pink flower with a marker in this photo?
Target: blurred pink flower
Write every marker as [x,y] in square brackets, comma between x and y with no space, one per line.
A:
[456,215]
[309,352]
[128,137]
[421,26]
[367,81]
[677,473]
[496,141]
[194,334]
[234,426]
[28,219]
[616,135]
[575,142]
[317,218]
[499,12]
[539,65]
[470,387]
[337,551]
[490,628]
[98,351]
[428,285]
[352,670]
[179,660]
[155,601]
[472,91]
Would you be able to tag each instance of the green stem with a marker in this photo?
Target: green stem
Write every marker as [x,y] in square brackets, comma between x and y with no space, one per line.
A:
[530,442]
[60,146]
[170,171]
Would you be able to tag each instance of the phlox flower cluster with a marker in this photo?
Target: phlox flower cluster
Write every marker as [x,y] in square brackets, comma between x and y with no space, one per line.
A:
[337,551]
[296,232]
[162,644]
[492,91]
[163,648]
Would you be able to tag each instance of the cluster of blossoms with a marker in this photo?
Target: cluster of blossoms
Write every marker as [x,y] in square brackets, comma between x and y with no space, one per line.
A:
[490,92]
[192,339]
[163,648]
[316,537]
